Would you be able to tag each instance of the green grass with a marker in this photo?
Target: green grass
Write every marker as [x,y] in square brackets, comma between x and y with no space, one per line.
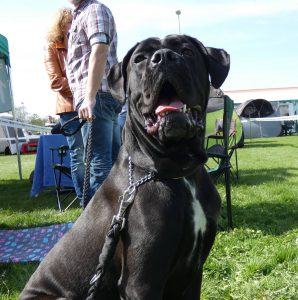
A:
[257,260]
[18,210]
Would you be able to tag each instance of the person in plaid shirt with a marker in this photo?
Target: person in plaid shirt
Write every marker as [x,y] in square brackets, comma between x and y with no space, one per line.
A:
[92,45]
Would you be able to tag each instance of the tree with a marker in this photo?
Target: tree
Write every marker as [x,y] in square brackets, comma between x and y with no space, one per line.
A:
[21,113]
[37,120]
[23,116]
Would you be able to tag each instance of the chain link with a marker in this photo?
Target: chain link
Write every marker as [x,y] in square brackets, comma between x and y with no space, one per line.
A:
[88,152]
[130,171]
[127,198]
[118,223]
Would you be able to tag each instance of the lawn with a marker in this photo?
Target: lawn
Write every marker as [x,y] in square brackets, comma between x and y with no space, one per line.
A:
[256,260]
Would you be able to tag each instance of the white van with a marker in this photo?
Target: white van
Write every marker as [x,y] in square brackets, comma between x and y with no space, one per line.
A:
[7,135]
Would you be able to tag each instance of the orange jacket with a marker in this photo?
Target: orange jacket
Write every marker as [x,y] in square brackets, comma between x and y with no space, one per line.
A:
[54,59]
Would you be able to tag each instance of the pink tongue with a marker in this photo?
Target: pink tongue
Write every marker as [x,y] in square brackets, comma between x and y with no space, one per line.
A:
[172,105]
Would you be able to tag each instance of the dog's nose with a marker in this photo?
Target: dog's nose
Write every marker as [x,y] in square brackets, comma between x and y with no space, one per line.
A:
[163,55]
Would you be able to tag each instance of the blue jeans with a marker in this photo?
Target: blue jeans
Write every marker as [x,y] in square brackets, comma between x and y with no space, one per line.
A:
[76,146]
[105,140]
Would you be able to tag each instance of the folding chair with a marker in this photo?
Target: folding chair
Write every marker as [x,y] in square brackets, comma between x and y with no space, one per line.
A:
[288,127]
[59,169]
[222,150]
[216,151]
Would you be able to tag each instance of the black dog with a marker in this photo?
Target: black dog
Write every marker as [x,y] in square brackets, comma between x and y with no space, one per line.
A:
[171,225]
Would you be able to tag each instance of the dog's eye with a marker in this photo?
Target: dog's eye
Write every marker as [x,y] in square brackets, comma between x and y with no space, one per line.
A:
[187,52]
[139,58]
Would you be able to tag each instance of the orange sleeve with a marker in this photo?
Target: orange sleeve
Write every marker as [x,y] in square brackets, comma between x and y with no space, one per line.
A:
[56,71]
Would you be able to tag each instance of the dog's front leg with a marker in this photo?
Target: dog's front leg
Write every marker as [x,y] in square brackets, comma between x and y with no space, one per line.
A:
[139,291]
[193,291]
[41,297]
[145,264]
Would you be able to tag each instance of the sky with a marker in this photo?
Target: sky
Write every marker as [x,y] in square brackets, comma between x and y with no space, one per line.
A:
[261,37]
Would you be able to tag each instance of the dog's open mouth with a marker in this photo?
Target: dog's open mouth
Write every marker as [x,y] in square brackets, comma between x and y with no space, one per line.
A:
[172,117]
[165,107]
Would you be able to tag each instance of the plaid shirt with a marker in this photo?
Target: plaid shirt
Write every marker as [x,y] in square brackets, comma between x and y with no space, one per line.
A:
[90,18]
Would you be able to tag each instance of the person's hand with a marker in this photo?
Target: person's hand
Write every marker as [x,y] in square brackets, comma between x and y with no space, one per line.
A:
[85,111]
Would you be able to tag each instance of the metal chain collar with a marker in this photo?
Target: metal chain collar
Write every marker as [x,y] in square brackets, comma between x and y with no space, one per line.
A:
[118,223]
[127,198]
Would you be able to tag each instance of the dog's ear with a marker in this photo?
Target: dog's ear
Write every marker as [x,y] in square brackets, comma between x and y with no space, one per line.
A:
[218,65]
[116,82]
[117,77]
[218,62]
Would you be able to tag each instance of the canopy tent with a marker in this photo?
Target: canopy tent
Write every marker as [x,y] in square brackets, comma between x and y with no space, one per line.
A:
[6,100]
[5,86]
[258,108]
[4,53]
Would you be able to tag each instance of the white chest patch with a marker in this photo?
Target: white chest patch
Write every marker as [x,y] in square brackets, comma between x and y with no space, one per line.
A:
[199,218]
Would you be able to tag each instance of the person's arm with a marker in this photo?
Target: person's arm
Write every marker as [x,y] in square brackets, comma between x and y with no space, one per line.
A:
[58,80]
[96,69]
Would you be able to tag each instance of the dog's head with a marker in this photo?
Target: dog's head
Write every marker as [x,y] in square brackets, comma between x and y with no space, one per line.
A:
[166,82]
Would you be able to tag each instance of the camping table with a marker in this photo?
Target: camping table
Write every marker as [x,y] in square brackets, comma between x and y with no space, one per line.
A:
[43,171]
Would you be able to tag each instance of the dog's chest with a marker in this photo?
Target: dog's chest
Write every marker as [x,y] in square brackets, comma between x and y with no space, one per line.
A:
[198,218]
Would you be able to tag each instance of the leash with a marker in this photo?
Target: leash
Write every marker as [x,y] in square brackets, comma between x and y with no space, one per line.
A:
[88,152]
[117,225]
[63,130]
